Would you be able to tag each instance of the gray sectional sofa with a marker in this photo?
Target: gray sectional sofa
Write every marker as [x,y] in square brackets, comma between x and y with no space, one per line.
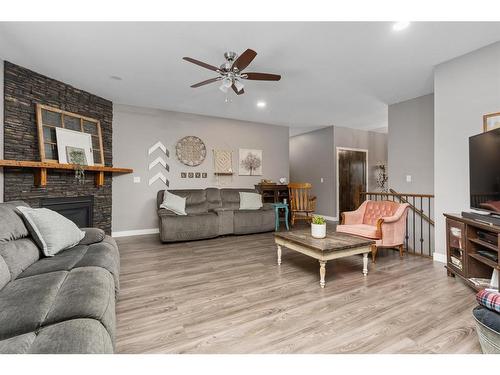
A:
[212,212]
[59,304]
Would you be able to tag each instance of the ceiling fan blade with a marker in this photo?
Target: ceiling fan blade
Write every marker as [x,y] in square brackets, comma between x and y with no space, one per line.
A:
[242,91]
[211,80]
[201,63]
[261,76]
[244,59]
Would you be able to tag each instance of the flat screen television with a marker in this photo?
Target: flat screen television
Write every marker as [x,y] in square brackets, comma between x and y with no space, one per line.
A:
[484,171]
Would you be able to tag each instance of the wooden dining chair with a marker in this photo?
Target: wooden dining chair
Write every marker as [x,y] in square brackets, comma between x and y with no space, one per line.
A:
[302,204]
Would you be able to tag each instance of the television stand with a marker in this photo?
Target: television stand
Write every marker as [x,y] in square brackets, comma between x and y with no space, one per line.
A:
[472,249]
[488,219]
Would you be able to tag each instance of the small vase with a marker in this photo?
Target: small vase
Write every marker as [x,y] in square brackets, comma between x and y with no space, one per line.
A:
[318,230]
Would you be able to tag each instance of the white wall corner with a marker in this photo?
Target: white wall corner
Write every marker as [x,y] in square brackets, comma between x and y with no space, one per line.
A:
[439,257]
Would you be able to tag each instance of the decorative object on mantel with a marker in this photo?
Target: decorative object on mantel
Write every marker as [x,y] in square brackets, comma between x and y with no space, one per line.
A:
[491,121]
[282,180]
[159,161]
[250,162]
[40,170]
[382,177]
[52,122]
[191,151]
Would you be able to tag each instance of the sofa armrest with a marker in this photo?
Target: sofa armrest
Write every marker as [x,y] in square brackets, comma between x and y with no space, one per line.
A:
[92,235]
[393,228]
[354,217]
[164,212]
[397,215]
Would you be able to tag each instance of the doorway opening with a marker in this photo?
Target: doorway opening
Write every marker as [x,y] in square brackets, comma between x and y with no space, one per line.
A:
[352,177]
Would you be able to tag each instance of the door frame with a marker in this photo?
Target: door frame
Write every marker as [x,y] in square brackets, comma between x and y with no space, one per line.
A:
[340,148]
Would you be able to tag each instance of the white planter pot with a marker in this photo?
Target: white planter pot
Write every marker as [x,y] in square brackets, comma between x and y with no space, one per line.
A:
[318,230]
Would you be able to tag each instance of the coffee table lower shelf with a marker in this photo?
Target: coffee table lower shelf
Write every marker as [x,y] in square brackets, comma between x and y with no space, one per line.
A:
[322,256]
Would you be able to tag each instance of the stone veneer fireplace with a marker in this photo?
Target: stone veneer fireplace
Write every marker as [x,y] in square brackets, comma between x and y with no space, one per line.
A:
[24,88]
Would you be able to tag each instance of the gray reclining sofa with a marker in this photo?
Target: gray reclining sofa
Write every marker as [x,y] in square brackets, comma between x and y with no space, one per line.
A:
[59,304]
[212,212]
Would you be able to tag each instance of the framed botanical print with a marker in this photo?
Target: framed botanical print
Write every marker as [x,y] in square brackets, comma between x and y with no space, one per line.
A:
[491,121]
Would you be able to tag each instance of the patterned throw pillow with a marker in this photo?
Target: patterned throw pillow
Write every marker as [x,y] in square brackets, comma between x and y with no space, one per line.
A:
[490,300]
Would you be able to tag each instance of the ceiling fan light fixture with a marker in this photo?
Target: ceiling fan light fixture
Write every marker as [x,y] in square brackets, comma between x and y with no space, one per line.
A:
[223,88]
[239,86]
[228,82]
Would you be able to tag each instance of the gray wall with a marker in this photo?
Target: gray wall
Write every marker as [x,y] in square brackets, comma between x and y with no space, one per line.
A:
[319,156]
[411,145]
[312,157]
[465,89]
[1,129]
[136,129]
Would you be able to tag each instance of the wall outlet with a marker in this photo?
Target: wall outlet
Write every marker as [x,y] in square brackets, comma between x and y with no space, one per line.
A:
[321,180]
[137,180]
[408,178]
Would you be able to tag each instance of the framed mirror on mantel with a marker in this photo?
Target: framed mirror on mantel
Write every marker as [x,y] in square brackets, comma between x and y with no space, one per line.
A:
[50,118]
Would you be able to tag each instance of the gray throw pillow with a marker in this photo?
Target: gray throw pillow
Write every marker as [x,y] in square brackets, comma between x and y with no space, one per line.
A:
[250,201]
[174,203]
[51,231]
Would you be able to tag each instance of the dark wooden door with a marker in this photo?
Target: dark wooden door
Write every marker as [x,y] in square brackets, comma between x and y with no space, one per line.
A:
[352,178]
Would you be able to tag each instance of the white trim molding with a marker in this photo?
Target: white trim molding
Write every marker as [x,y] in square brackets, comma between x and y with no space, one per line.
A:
[438,257]
[136,232]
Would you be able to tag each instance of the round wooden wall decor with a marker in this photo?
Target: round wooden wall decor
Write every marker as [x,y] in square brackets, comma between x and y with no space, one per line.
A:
[191,151]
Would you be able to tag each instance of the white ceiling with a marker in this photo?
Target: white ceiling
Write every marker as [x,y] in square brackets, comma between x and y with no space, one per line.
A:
[333,73]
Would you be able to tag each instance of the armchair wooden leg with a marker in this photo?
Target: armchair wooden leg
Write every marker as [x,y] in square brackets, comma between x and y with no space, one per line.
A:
[401,250]
[374,252]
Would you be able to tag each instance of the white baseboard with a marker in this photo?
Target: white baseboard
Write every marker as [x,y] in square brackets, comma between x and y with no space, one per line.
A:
[137,232]
[438,257]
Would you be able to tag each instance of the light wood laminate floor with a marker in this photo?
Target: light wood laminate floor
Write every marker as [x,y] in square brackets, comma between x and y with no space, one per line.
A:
[227,295]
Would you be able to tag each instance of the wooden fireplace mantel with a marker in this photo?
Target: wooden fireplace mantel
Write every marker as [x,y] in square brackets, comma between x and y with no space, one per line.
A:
[40,170]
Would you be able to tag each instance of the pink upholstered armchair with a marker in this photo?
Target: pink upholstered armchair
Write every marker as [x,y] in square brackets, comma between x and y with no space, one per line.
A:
[383,221]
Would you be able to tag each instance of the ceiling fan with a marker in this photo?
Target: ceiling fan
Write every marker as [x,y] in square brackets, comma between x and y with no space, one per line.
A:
[231,72]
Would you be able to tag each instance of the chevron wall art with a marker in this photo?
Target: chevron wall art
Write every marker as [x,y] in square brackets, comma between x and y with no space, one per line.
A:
[160,160]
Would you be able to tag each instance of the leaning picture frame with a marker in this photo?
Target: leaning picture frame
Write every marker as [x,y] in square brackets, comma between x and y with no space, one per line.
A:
[491,121]
[70,142]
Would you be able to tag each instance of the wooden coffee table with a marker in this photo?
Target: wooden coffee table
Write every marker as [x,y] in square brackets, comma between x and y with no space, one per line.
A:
[335,245]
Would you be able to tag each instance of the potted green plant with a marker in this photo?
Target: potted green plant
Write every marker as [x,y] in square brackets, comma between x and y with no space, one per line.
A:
[318,227]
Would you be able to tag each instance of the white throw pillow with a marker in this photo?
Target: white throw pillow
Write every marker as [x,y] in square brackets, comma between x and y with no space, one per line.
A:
[51,231]
[174,203]
[250,201]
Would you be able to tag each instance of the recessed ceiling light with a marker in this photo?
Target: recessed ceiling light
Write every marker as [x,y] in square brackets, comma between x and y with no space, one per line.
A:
[261,104]
[398,26]
[116,78]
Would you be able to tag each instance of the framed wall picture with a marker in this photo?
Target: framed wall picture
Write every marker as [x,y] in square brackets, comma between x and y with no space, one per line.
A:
[50,119]
[491,121]
[250,162]
[74,147]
